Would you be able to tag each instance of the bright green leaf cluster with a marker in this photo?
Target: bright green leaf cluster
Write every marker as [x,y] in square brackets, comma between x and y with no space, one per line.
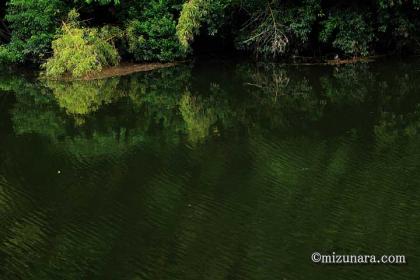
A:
[190,21]
[80,51]
[195,13]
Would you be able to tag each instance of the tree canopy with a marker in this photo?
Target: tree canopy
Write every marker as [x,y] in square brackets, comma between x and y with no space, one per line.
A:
[165,30]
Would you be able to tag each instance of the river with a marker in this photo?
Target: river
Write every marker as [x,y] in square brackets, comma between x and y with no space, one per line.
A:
[218,169]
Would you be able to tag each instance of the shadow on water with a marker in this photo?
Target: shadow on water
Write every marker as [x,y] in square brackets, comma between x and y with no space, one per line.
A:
[218,170]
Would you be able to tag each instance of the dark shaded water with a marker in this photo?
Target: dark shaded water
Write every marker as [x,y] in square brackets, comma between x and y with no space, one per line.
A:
[219,170]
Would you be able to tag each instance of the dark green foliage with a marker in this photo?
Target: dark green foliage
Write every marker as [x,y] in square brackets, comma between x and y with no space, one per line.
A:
[4,30]
[312,27]
[196,13]
[151,36]
[33,25]
[398,24]
[349,32]
[287,27]
[276,29]
[103,2]
[164,30]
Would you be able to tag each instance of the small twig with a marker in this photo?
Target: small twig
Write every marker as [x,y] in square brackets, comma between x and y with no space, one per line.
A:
[254,85]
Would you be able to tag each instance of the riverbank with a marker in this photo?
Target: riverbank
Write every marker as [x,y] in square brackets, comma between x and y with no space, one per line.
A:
[123,69]
[128,68]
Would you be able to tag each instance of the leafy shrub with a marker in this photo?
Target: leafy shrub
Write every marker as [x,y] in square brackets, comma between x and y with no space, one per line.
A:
[163,30]
[81,51]
[349,32]
[195,13]
[301,19]
[33,25]
[152,36]
[190,20]
[399,25]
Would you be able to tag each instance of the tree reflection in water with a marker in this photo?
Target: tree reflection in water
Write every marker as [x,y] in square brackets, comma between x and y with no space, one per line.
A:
[201,172]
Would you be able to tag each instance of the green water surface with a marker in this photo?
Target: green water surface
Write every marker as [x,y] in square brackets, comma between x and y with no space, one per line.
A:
[211,170]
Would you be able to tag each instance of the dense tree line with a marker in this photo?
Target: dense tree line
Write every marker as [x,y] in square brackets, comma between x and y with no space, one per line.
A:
[105,31]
